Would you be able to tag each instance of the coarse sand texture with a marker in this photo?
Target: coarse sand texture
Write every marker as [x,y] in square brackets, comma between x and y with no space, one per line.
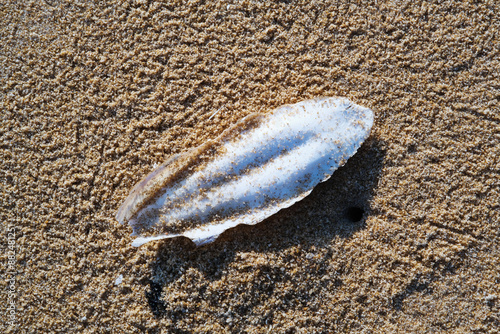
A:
[403,238]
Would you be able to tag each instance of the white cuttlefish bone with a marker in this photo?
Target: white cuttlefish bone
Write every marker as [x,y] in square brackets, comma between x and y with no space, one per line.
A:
[262,164]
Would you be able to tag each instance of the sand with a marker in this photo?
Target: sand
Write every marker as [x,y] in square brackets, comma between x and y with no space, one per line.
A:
[94,95]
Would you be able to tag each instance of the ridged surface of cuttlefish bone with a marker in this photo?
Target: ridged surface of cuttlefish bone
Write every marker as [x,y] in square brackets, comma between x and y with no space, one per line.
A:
[262,164]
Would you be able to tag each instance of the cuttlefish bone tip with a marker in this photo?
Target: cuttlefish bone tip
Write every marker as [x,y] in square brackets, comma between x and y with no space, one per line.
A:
[142,240]
[197,241]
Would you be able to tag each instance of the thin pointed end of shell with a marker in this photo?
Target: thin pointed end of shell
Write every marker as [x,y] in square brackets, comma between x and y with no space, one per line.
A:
[142,240]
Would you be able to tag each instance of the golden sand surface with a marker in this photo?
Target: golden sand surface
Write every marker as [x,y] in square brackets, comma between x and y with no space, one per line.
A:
[95,94]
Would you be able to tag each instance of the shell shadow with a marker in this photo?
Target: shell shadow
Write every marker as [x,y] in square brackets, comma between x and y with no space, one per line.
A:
[335,208]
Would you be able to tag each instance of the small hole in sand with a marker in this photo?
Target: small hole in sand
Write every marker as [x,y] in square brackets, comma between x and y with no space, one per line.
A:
[354,214]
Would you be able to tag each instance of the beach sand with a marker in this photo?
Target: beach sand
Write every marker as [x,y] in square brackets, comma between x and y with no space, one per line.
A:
[95,95]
